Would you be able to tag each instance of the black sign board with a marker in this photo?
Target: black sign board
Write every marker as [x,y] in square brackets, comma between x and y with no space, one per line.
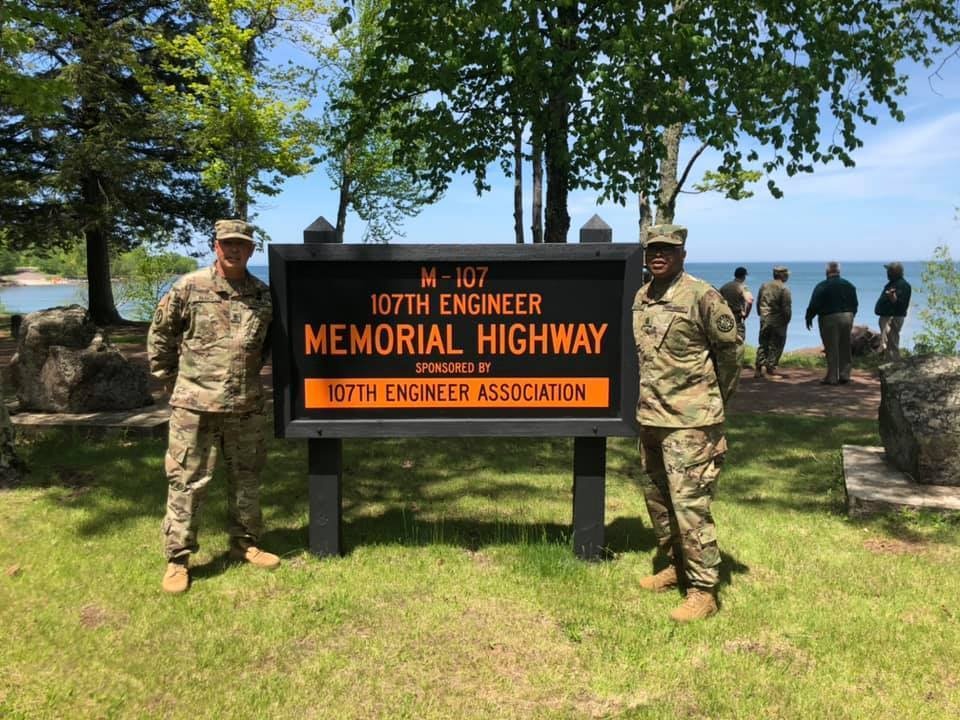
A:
[454,340]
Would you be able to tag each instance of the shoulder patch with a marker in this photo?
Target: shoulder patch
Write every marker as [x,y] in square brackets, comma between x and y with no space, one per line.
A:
[158,317]
[725,323]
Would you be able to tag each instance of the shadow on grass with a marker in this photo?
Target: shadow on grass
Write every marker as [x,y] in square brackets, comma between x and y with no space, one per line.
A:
[117,482]
[775,462]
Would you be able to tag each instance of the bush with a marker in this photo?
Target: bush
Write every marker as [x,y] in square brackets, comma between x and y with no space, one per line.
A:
[941,316]
[145,277]
[8,261]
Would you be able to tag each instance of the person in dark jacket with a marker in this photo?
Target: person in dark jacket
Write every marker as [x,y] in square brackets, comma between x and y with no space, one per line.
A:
[834,302]
[891,308]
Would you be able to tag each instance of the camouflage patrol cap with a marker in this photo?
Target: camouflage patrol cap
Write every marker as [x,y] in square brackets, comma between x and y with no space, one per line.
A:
[238,229]
[781,269]
[664,233]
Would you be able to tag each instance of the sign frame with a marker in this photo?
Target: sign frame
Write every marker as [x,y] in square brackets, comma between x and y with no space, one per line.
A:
[287,424]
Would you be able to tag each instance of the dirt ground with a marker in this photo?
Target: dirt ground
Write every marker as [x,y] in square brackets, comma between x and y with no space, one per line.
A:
[796,392]
[799,392]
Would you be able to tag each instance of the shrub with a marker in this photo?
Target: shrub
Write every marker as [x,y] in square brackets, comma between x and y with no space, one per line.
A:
[145,277]
[941,317]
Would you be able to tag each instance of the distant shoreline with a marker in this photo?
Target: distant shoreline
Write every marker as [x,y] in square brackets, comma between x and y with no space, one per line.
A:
[33,278]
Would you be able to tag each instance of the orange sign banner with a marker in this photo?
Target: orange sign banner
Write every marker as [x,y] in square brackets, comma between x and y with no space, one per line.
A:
[456,392]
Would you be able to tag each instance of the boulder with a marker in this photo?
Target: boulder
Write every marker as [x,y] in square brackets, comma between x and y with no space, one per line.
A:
[64,363]
[920,417]
[864,341]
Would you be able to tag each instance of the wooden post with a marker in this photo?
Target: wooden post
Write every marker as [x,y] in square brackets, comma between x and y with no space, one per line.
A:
[325,478]
[589,491]
[590,455]
[324,457]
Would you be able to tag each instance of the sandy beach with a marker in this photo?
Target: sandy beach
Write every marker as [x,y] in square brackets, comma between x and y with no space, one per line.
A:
[33,278]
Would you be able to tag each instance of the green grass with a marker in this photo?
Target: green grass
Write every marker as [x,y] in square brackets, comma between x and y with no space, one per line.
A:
[459,596]
[813,361]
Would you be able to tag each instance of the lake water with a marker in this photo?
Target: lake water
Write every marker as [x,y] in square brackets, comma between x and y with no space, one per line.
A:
[868,277]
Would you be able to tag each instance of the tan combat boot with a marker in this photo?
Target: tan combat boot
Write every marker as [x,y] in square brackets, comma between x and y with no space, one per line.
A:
[664,580]
[256,557]
[176,579]
[699,605]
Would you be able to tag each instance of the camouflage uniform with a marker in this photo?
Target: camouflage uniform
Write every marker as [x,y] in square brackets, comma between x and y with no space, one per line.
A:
[736,293]
[775,308]
[212,334]
[738,297]
[687,345]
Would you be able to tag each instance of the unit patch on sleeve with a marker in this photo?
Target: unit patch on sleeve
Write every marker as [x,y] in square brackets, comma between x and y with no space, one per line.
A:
[725,323]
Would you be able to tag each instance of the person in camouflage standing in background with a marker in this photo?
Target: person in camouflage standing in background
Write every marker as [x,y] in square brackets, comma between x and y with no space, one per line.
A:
[211,333]
[775,308]
[686,339]
[740,300]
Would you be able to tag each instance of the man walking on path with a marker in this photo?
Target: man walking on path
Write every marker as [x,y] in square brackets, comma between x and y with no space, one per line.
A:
[775,308]
[740,300]
[834,302]
[891,308]
[210,335]
[686,339]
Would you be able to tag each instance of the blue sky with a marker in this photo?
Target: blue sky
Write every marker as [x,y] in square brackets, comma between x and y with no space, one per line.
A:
[898,203]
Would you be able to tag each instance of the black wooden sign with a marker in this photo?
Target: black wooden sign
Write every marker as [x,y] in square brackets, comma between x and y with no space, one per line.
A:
[454,340]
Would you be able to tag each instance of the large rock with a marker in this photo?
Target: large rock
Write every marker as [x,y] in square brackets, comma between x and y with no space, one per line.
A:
[864,341]
[64,364]
[920,417]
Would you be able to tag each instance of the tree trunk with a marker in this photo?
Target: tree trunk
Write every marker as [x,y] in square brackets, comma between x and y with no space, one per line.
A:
[536,225]
[102,306]
[561,90]
[643,205]
[518,179]
[667,197]
[241,199]
[342,205]
[557,218]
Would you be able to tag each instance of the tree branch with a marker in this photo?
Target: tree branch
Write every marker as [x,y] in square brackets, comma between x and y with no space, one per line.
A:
[686,172]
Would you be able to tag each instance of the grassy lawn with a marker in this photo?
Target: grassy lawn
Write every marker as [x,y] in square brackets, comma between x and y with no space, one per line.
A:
[459,596]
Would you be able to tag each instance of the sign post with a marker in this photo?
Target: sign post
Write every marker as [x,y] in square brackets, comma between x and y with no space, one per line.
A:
[324,458]
[590,454]
[454,340]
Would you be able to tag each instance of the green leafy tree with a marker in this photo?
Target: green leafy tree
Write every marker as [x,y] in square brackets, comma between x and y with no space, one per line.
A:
[609,88]
[248,120]
[940,280]
[145,275]
[101,162]
[361,165]
[23,27]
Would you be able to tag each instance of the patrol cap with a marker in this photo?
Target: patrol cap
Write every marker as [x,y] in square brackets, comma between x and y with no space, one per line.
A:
[224,229]
[781,269]
[895,267]
[665,233]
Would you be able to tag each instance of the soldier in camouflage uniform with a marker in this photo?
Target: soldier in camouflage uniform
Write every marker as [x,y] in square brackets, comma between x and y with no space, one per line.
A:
[740,300]
[686,338]
[210,334]
[775,308]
